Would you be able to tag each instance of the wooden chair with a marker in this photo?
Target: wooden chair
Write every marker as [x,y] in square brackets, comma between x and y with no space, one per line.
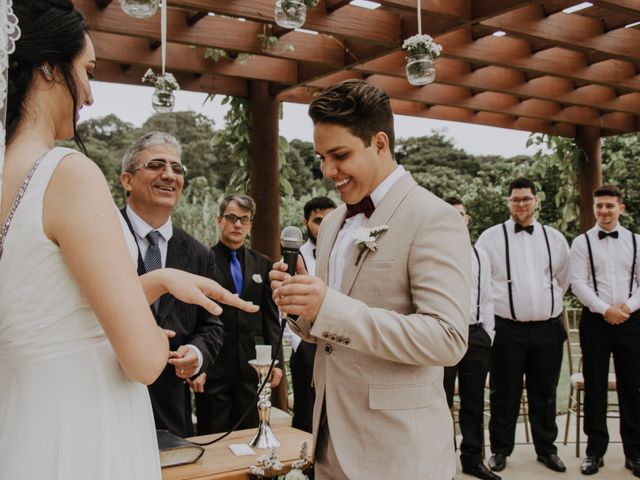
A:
[571,321]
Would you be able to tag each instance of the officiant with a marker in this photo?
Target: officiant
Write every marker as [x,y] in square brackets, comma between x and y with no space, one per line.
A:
[153,178]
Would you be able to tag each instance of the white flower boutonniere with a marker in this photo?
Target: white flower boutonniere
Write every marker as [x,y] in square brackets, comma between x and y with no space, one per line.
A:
[366,238]
[256,277]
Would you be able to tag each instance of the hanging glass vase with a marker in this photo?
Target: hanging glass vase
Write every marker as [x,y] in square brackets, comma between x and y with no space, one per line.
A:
[163,100]
[420,69]
[139,8]
[290,13]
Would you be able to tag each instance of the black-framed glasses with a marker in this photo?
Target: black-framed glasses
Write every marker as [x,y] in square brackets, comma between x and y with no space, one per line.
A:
[157,164]
[523,200]
[231,218]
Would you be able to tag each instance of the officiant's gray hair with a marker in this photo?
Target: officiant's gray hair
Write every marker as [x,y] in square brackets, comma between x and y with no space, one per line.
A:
[148,140]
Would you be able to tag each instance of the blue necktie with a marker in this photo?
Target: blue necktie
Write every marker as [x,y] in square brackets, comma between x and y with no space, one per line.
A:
[236,272]
[152,259]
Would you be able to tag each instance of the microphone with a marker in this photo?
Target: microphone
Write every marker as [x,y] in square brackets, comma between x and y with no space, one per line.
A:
[290,242]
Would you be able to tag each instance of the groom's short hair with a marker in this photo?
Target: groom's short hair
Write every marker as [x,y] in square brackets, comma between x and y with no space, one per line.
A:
[362,108]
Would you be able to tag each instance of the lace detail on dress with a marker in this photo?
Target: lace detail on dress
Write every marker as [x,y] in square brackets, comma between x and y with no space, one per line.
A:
[9,34]
[16,201]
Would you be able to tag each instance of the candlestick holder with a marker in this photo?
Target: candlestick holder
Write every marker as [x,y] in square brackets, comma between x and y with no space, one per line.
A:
[264,437]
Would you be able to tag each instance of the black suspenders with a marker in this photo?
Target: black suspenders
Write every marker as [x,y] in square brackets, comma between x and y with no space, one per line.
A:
[509,281]
[478,300]
[633,263]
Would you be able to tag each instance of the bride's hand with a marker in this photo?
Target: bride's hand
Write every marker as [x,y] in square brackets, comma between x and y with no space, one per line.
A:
[190,288]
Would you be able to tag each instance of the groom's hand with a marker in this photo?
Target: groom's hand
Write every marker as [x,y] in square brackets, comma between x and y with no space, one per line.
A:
[185,361]
[300,295]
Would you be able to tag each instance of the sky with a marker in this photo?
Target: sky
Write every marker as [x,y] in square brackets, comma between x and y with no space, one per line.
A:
[133,104]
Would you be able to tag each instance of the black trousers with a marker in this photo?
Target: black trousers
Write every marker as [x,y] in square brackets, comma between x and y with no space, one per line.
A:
[599,340]
[472,373]
[304,395]
[534,350]
[223,404]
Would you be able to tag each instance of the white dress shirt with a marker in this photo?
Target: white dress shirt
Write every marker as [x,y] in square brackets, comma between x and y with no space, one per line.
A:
[612,260]
[530,278]
[141,229]
[345,243]
[487,317]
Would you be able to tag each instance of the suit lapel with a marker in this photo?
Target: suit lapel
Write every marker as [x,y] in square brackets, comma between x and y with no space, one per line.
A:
[329,229]
[250,267]
[222,266]
[141,269]
[381,216]
[176,258]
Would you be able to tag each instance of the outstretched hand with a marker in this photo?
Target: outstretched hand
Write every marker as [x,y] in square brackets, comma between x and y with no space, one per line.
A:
[202,291]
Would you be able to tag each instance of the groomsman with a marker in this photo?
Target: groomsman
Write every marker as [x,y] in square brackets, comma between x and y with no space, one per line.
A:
[530,274]
[605,278]
[303,352]
[388,306]
[472,369]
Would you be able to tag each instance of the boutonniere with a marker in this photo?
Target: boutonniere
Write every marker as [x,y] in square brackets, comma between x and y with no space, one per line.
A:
[256,277]
[365,238]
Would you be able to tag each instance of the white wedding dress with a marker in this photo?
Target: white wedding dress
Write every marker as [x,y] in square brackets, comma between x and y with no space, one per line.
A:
[67,411]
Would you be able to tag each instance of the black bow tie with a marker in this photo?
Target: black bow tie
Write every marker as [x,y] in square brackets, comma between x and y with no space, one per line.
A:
[602,234]
[528,229]
[365,206]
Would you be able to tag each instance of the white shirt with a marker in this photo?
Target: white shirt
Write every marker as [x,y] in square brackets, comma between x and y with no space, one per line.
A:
[612,260]
[141,229]
[345,244]
[530,279]
[487,317]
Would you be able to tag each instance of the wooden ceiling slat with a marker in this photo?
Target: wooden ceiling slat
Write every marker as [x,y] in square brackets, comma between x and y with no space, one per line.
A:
[631,7]
[122,49]
[570,31]
[211,84]
[556,61]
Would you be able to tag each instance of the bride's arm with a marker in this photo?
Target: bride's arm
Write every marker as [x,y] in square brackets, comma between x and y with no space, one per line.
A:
[80,217]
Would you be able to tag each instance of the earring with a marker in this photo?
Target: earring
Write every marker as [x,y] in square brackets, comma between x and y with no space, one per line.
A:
[46,72]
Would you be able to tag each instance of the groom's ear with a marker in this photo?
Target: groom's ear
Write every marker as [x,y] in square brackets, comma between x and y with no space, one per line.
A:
[381,141]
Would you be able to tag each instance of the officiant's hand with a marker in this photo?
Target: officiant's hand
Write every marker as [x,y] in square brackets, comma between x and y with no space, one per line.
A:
[300,295]
[276,377]
[185,360]
[197,384]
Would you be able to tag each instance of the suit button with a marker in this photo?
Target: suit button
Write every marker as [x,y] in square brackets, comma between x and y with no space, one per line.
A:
[328,348]
[347,341]
[333,338]
[339,339]
[325,334]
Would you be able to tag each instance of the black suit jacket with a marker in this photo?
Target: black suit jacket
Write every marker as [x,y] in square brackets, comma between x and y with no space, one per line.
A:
[244,330]
[193,325]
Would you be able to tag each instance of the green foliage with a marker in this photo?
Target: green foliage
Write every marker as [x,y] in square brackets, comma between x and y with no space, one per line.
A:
[197,211]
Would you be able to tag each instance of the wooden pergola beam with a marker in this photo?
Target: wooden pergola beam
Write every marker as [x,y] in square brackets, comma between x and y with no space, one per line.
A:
[516,53]
[630,7]
[103,3]
[130,50]
[570,31]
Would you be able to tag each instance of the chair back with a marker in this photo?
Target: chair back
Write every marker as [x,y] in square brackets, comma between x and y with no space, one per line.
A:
[571,322]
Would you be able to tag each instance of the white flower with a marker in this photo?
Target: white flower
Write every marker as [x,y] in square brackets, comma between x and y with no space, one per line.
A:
[257,278]
[295,474]
[418,44]
[365,238]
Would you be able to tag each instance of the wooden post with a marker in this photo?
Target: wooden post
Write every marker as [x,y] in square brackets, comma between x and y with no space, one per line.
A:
[265,190]
[589,173]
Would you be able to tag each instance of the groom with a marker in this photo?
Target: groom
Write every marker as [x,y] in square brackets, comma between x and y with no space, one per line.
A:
[386,315]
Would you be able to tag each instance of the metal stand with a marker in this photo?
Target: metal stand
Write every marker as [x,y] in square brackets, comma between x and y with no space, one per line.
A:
[264,437]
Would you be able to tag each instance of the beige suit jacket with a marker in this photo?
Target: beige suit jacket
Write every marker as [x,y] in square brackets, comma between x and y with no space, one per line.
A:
[383,339]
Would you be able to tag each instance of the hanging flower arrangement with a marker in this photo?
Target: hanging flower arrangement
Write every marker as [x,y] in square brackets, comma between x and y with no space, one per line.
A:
[139,8]
[422,51]
[292,13]
[163,99]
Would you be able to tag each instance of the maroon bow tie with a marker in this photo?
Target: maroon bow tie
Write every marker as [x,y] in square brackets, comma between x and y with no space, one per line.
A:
[365,206]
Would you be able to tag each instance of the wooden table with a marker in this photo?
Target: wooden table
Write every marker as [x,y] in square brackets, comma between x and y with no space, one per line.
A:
[219,463]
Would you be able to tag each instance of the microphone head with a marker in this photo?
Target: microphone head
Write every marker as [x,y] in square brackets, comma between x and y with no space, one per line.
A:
[291,238]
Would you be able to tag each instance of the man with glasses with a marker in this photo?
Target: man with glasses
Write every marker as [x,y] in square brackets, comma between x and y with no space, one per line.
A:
[530,274]
[230,386]
[472,370]
[153,178]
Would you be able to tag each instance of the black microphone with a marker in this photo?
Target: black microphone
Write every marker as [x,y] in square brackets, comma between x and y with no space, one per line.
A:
[291,241]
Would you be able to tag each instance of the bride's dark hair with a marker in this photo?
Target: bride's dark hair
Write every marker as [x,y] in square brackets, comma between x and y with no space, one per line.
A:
[53,33]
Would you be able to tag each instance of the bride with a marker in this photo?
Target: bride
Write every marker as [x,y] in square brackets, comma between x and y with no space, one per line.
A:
[78,341]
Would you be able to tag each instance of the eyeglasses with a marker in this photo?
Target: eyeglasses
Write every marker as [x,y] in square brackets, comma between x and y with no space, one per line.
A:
[156,165]
[231,218]
[523,200]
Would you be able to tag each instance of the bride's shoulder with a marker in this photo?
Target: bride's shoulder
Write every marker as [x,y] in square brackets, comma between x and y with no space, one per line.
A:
[76,166]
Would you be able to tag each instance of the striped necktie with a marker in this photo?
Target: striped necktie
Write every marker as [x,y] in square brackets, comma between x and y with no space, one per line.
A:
[152,259]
